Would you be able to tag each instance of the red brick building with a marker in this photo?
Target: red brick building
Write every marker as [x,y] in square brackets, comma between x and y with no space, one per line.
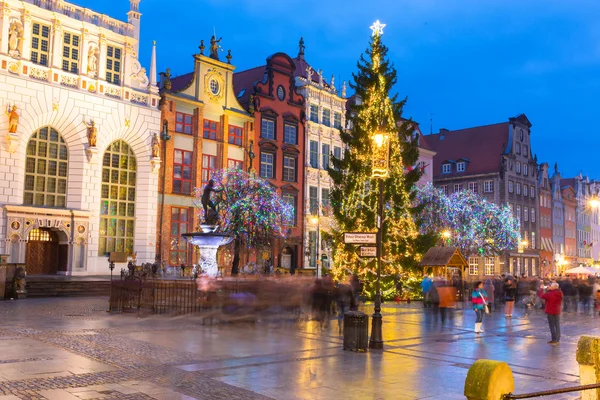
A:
[269,92]
[207,130]
[570,213]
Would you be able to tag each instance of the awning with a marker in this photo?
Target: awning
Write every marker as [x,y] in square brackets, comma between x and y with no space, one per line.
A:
[547,244]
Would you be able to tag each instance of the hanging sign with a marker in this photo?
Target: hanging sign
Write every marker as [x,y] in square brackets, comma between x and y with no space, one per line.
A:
[368,251]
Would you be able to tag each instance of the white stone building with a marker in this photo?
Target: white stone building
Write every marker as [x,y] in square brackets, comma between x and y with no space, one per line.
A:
[326,113]
[78,127]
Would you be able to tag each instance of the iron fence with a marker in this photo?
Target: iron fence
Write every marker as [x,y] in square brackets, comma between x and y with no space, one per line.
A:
[544,393]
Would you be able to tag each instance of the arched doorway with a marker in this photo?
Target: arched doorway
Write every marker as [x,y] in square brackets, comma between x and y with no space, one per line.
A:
[42,252]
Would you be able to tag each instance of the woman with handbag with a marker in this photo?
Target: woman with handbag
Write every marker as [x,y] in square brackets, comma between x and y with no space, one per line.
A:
[479,298]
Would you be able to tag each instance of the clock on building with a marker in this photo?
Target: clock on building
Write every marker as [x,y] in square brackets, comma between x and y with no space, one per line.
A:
[280,93]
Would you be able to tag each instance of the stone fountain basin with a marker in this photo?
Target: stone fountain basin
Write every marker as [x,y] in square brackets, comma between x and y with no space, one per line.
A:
[203,239]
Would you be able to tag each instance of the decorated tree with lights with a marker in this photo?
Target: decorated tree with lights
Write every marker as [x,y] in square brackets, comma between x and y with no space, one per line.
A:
[474,225]
[374,129]
[249,209]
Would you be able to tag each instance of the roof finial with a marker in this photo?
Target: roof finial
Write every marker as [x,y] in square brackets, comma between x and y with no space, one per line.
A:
[202,47]
[301,48]
[229,57]
[153,87]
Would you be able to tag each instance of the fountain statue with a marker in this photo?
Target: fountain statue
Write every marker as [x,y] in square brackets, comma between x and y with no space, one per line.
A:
[209,240]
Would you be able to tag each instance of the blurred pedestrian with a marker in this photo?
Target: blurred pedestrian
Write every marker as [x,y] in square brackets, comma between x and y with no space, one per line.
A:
[554,298]
[480,301]
[344,299]
[490,290]
[510,295]
[426,290]
[447,295]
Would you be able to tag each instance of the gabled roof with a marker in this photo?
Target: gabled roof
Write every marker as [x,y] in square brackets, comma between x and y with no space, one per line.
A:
[443,257]
[180,82]
[244,81]
[301,66]
[482,145]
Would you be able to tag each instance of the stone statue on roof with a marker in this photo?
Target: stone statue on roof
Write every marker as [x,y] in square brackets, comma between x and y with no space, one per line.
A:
[214,47]
[301,48]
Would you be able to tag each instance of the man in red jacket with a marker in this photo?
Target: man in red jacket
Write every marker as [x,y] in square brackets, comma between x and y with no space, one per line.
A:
[554,297]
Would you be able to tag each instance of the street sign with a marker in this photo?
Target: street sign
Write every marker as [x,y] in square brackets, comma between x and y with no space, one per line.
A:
[368,251]
[360,238]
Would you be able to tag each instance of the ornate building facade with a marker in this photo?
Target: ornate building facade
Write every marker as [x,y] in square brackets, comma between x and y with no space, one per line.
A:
[270,93]
[545,221]
[204,129]
[77,166]
[558,222]
[326,115]
[497,162]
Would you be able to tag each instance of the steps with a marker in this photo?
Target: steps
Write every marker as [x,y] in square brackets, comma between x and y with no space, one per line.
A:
[67,288]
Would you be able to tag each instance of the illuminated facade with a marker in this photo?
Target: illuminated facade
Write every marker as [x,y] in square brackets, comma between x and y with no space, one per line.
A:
[77,171]
[206,129]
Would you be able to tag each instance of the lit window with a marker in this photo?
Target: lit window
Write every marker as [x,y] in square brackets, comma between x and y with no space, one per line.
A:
[325,155]
[209,165]
[267,162]
[458,187]
[337,120]
[460,167]
[518,167]
[314,113]
[113,65]
[518,148]
[473,265]
[446,168]
[488,186]
[46,169]
[526,214]
[40,44]
[525,190]
[518,188]
[525,169]
[183,123]
[325,201]
[210,129]
[182,172]
[117,207]
[234,164]
[70,61]
[489,266]
[313,196]
[291,200]
[235,135]
[181,219]
[314,154]
[533,215]
[289,169]
[326,117]
[511,187]
[445,189]
[474,187]
[267,129]
[290,134]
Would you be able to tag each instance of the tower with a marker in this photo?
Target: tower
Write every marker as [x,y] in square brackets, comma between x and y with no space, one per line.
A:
[133,17]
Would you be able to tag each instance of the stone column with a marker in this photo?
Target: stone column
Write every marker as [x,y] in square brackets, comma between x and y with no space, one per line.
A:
[26,49]
[4,27]
[102,61]
[588,357]
[56,45]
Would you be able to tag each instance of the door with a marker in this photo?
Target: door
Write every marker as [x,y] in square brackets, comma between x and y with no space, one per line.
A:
[42,252]
[286,258]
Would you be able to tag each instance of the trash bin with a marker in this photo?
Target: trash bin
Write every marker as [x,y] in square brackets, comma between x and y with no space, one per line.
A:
[356,331]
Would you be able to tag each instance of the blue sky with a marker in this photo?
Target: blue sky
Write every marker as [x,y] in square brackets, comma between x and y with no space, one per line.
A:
[461,62]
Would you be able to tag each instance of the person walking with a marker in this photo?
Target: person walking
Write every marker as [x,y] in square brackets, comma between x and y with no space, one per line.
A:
[554,298]
[426,289]
[480,303]
[510,295]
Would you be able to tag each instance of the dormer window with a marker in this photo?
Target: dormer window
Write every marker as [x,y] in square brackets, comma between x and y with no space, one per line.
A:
[446,168]
[460,166]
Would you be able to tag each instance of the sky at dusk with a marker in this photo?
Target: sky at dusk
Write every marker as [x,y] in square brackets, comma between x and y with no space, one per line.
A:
[461,63]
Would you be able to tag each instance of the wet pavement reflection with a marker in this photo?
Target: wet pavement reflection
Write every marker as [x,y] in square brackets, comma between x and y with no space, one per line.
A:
[73,349]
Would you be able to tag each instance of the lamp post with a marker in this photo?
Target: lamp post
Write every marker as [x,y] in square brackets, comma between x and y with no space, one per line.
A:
[380,170]
[111,266]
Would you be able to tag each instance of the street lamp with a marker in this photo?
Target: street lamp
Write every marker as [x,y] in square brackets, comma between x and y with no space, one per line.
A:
[446,237]
[380,170]
[314,219]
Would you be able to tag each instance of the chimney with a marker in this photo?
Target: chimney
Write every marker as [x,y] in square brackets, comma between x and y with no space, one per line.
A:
[443,132]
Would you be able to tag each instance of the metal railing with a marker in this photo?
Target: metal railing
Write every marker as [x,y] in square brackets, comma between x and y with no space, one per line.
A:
[543,393]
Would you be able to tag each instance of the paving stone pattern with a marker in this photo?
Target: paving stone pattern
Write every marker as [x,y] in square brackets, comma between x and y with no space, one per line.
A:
[70,349]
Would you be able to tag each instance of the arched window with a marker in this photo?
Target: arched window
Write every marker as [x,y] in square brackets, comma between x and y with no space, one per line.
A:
[46,169]
[117,208]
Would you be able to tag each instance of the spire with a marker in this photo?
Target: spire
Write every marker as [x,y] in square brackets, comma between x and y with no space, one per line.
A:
[153,87]
[301,49]
[133,17]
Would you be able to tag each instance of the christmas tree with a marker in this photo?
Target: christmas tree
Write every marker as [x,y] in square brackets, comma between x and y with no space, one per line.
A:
[376,118]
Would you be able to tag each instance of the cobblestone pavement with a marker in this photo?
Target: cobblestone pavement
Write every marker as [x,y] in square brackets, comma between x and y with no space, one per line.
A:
[70,349]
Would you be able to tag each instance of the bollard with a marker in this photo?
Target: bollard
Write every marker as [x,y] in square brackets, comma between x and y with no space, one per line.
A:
[588,357]
[489,380]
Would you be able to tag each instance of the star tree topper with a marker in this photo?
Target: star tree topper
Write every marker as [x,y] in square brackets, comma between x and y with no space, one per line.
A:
[377,28]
